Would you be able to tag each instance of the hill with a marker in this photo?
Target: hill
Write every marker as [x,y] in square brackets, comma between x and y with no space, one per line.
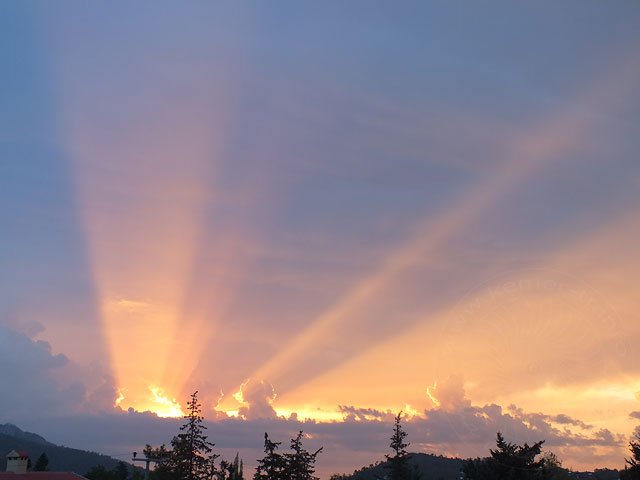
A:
[430,466]
[61,459]
[434,467]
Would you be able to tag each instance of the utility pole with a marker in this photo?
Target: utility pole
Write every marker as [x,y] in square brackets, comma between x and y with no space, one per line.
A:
[147,461]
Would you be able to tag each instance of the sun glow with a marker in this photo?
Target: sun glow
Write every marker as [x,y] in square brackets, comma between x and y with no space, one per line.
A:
[311,413]
[156,401]
[165,406]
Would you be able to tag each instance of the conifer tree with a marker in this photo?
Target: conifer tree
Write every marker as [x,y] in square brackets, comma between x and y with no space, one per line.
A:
[632,468]
[398,463]
[231,470]
[272,465]
[191,457]
[42,463]
[300,463]
[510,461]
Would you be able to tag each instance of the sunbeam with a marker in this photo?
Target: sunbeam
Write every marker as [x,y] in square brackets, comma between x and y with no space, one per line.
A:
[563,136]
[533,319]
[144,184]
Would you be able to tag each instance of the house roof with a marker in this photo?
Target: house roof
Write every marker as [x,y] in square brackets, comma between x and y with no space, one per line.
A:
[18,453]
[41,476]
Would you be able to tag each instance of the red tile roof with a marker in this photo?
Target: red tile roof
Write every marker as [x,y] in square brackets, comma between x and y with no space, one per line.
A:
[21,453]
[41,476]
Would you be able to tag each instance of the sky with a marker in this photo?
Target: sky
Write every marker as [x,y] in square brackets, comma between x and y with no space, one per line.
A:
[318,215]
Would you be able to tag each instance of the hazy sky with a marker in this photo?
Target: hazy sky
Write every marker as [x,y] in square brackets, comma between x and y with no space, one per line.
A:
[335,210]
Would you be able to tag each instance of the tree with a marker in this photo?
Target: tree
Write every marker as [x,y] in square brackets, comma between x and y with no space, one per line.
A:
[552,467]
[271,466]
[300,463]
[42,464]
[191,457]
[121,471]
[509,461]
[632,468]
[99,473]
[162,459]
[231,470]
[398,463]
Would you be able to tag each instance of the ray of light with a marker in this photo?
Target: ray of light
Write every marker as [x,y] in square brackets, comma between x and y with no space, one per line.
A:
[144,181]
[537,327]
[524,155]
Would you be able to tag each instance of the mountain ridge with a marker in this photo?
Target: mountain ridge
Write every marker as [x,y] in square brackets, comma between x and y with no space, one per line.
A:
[61,459]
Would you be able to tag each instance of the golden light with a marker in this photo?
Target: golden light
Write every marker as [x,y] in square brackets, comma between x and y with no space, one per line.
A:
[156,401]
[431,395]
[143,184]
[524,156]
[164,406]
[304,413]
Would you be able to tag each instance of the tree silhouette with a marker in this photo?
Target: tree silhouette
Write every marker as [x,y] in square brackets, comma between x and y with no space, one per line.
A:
[191,458]
[42,463]
[398,463]
[162,458]
[271,466]
[99,472]
[632,468]
[121,471]
[510,461]
[231,470]
[300,463]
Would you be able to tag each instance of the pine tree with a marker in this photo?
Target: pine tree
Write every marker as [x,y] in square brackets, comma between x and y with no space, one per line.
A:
[191,458]
[398,463]
[231,470]
[271,466]
[510,461]
[300,463]
[632,467]
[42,464]
[236,469]
[121,471]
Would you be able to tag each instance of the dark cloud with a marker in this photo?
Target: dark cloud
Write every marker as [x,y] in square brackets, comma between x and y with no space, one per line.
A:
[635,415]
[567,420]
[364,414]
[31,377]
[35,379]
[472,429]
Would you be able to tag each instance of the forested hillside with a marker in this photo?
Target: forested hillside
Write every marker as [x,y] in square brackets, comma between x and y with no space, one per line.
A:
[61,459]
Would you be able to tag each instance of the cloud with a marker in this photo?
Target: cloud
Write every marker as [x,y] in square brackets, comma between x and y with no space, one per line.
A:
[352,413]
[30,376]
[129,305]
[449,395]
[257,398]
[35,379]
[635,415]
[566,419]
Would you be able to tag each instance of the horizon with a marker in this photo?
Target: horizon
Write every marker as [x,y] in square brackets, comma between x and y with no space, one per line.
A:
[321,215]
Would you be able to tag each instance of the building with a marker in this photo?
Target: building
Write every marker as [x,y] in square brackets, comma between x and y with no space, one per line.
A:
[17,469]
